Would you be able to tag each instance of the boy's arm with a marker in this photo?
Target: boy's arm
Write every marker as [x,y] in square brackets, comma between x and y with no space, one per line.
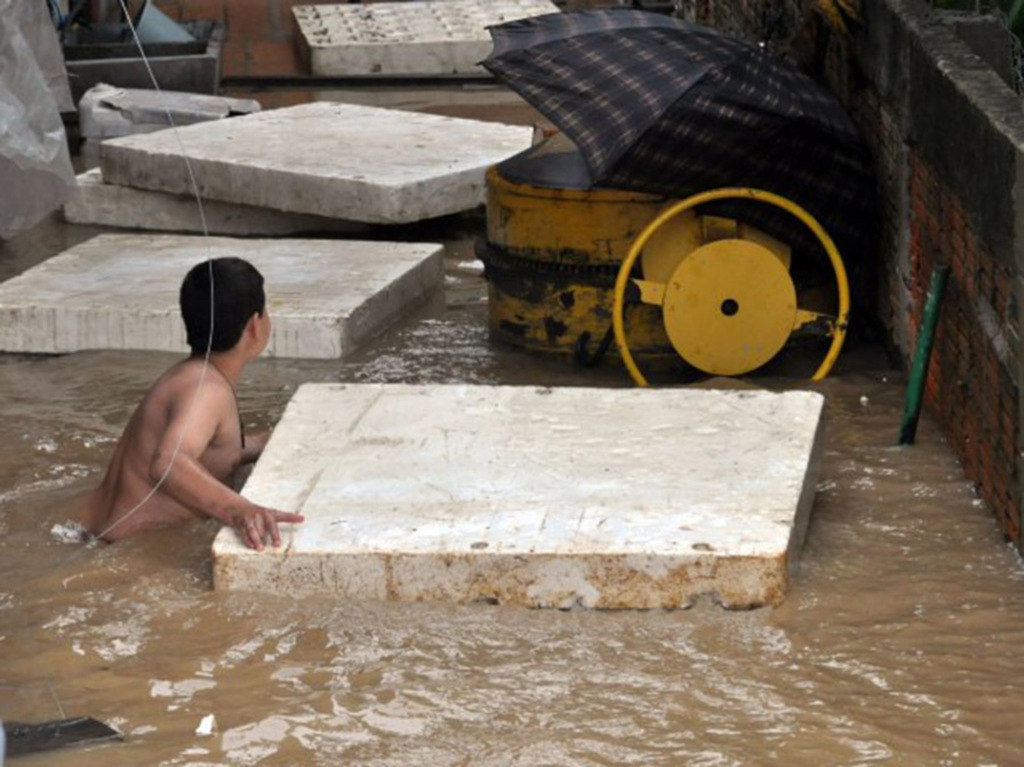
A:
[188,481]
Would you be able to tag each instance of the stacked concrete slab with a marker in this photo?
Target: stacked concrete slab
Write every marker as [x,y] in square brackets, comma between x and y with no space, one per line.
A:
[405,38]
[325,297]
[98,203]
[339,161]
[107,112]
[319,167]
[537,497]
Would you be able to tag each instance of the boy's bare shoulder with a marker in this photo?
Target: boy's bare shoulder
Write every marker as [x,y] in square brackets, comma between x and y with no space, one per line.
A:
[180,383]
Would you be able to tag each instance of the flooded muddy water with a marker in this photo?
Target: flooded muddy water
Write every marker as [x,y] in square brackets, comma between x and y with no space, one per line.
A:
[898,643]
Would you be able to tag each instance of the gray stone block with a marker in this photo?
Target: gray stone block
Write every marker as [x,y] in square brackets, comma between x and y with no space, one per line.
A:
[97,203]
[407,38]
[120,291]
[336,160]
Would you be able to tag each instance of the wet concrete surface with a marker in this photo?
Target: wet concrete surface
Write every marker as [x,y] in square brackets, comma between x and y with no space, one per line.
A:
[899,642]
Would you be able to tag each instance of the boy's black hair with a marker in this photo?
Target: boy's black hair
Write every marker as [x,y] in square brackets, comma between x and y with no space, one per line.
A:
[237,296]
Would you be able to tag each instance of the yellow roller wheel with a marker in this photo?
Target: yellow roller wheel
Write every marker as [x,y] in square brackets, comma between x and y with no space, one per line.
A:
[729,307]
[731,294]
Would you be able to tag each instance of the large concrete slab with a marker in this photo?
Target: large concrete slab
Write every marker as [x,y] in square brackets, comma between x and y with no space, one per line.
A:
[120,291]
[407,38]
[99,203]
[540,497]
[338,160]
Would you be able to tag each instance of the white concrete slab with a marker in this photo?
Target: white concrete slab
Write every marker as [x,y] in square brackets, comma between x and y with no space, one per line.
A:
[98,203]
[120,291]
[338,160]
[541,497]
[405,38]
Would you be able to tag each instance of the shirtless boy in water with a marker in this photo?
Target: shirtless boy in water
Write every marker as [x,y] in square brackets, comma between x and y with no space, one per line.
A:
[196,474]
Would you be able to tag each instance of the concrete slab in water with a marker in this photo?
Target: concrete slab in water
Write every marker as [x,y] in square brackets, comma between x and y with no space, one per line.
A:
[96,202]
[542,497]
[338,160]
[408,38]
[120,291]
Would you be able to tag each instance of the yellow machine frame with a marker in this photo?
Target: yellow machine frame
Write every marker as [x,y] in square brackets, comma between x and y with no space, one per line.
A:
[763,259]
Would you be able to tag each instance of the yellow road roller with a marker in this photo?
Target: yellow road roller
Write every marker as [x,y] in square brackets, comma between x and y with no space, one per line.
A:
[571,267]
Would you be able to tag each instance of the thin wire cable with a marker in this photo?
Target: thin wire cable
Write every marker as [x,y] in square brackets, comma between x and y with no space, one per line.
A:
[209,263]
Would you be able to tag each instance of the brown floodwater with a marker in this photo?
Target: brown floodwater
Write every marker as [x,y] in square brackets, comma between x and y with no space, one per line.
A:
[898,642]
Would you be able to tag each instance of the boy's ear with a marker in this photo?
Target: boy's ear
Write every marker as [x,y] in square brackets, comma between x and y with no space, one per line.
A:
[251,328]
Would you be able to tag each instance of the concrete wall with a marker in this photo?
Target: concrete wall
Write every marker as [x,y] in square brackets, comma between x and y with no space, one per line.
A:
[947,134]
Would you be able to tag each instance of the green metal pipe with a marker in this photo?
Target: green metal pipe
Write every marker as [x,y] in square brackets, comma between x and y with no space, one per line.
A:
[922,355]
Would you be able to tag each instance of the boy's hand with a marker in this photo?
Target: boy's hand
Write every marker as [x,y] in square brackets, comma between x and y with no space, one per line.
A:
[256,522]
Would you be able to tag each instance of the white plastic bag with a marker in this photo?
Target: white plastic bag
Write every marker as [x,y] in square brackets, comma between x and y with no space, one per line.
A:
[36,176]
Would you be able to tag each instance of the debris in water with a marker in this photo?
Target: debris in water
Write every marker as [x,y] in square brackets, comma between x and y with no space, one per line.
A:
[70,532]
[207,726]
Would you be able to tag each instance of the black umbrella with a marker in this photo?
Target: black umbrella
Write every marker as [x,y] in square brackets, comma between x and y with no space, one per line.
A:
[659,105]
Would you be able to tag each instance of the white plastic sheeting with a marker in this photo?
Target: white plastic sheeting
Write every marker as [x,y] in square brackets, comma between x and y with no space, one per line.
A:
[36,176]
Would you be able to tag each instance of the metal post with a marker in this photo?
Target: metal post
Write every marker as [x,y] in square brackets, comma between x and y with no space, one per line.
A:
[922,355]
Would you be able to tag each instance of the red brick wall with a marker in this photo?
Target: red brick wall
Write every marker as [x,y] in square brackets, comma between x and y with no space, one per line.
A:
[970,388]
[259,33]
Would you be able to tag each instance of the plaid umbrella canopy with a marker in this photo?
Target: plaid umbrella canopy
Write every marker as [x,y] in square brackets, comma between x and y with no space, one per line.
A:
[659,105]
